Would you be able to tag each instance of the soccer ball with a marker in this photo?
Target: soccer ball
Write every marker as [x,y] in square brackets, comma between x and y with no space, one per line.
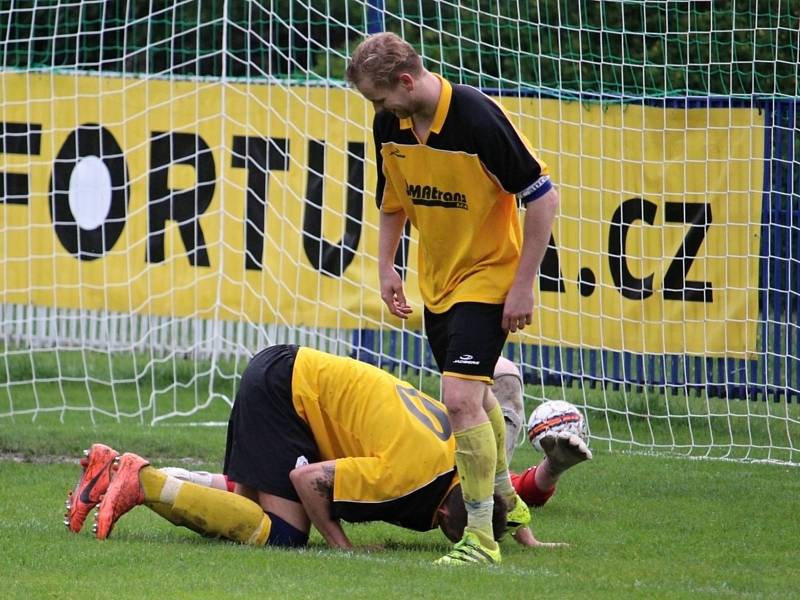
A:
[554,416]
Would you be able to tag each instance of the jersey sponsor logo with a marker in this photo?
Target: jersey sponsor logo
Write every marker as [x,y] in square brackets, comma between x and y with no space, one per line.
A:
[426,195]
[396,152]
[467,359]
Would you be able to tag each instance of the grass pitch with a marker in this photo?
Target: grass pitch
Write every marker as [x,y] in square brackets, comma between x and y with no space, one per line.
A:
[638,527]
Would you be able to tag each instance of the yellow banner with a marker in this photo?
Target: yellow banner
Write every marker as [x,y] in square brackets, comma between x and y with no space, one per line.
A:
[659,227]
[172,136]
[238,201]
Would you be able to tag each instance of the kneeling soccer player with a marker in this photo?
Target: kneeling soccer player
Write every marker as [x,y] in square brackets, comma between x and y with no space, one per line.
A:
[535,485]
[312,438]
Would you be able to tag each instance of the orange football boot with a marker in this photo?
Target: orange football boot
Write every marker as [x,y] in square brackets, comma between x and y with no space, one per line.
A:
[91,486]
[123,494]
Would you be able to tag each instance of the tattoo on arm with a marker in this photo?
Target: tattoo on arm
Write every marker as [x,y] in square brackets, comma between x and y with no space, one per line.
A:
[323,484]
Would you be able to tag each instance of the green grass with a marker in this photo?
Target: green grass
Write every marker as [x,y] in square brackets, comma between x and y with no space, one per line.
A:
[638,526]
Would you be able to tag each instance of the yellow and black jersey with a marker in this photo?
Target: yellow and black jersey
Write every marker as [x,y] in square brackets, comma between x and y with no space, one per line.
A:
[458,189]
[393,445]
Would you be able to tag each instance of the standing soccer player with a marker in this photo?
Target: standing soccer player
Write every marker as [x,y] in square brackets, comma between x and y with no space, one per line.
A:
[450,161]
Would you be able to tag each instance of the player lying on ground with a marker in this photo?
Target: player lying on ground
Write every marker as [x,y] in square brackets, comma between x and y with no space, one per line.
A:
[536,484]
[272,517]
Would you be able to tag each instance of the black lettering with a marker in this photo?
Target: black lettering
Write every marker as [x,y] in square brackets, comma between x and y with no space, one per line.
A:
[676,286]
[630,211]
[24,139]
[89,139]
[413,191]
[183,206]
[259,156]
[330,259]
[550,278]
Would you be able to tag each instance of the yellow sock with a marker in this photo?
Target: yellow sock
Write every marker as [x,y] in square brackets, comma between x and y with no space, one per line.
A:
[153,482]
[212,512]
[502,479]
[476,455]
[167,512]
[499,430]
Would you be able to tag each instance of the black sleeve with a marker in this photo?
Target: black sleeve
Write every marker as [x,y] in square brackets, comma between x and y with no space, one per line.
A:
[502,150]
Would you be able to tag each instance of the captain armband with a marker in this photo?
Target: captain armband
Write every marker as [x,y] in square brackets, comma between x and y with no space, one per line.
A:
[535,190]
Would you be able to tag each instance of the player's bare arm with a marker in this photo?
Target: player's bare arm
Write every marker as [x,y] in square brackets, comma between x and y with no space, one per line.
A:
[392,293]
[539,215]
[314,485]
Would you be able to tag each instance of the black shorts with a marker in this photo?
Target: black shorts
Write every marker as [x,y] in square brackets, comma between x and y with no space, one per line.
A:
[467,339]
[266,437]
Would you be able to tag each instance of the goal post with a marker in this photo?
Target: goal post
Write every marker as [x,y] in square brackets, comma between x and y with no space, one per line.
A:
[183,183]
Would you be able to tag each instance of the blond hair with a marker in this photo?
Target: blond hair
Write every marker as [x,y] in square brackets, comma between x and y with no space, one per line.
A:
[382,57]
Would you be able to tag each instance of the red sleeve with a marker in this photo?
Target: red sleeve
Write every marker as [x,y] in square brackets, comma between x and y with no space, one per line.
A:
[525,485]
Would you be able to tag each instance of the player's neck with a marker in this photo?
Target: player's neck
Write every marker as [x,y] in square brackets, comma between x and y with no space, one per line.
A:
[430,91]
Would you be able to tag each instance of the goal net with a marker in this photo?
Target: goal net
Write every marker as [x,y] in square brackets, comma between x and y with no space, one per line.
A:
[185,182]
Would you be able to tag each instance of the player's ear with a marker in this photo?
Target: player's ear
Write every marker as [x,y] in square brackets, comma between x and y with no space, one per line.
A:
[444,521]
[406,80]
[451,515]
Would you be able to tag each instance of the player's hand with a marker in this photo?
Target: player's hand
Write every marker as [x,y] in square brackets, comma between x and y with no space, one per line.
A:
[393,295]
[524,536]
[518,309]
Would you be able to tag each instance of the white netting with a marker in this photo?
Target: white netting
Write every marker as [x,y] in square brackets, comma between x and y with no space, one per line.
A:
[183,183]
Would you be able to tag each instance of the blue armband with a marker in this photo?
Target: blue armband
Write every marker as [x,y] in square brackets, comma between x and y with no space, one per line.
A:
[535,190]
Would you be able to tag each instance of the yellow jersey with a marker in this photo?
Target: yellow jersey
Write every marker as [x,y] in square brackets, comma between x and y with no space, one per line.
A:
[458,188]
[393,445]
